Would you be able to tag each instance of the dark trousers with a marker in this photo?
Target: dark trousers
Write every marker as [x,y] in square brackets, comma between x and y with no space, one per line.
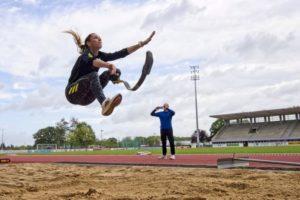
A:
[164,134]
[88,88]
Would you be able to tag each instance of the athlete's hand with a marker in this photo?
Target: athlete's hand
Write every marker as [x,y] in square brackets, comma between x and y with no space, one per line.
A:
[148,39]
[112,69]
[158,107]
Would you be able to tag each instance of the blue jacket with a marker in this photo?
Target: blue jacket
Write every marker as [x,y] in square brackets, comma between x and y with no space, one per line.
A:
[165,118]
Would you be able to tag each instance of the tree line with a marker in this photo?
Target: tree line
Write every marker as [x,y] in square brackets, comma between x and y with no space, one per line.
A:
[76,134]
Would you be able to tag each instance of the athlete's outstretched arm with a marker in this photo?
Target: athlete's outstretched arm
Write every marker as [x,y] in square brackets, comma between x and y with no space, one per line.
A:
[100,63]
[133,48]
[124,52]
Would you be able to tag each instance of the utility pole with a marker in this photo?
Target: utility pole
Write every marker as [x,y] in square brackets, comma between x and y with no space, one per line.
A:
[195,78]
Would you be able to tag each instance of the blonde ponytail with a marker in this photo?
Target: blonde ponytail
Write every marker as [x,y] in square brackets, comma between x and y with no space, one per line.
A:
[77,40]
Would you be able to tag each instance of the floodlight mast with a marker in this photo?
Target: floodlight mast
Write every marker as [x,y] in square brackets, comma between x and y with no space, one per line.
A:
[195,78]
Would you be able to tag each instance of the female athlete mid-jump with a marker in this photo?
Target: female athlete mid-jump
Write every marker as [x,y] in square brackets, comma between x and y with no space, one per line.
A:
[84,84]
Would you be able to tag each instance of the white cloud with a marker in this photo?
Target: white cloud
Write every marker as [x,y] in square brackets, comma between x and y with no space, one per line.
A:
[22,85]
[30,2]
[175,12]
[5,96]
[14,9]
[1,85]
[264,46]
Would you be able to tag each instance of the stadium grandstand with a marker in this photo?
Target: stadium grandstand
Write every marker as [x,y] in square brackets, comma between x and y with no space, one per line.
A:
[277,127]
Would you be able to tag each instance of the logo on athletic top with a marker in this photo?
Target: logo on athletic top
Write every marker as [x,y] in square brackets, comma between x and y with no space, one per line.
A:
[90,55]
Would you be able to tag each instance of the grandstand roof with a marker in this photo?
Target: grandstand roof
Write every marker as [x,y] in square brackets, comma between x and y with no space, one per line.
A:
[261,113]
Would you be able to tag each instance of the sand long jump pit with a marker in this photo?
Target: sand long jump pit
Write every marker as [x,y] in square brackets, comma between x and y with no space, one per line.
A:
[61,181]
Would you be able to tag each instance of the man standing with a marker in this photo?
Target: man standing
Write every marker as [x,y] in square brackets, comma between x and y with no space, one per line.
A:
[166,130]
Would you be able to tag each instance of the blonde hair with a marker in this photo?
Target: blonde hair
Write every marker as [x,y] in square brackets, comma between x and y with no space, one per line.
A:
[77,39]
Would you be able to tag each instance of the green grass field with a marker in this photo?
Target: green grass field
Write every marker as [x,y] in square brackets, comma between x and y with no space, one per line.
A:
[203,150]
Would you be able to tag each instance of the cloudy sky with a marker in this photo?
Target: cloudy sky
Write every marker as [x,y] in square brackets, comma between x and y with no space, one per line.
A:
[247,51]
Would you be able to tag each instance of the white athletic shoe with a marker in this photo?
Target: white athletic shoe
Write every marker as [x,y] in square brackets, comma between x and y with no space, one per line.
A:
[109,104]
[162,157]
[172,157]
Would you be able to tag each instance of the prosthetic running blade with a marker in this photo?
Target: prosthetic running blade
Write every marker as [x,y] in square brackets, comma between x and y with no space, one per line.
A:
[146,71]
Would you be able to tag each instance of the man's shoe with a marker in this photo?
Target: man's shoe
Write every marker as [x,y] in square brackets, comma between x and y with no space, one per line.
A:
[172,157]
[109,104]
[162,157]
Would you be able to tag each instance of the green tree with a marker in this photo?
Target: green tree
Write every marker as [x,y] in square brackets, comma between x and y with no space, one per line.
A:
[111,142]
[56,135]
[52,135]
[59,136]
[45,136]
[202,136]
[216,126]
[63,124]
[73,123]
[62,127]
[153,141]
[2,146]
[82,136]
[182,138]
[127,142]
[139,140]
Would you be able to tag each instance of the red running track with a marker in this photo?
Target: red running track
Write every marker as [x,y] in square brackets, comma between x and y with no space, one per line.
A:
[200,160]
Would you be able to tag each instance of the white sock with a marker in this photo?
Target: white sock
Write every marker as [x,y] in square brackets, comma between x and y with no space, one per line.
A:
[107,99]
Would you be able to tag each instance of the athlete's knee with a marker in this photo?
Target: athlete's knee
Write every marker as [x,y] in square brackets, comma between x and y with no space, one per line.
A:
[105,75]
[116,76]
[93,74]
[118,71]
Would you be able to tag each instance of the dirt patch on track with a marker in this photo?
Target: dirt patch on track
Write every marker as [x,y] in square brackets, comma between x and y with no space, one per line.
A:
[53,181]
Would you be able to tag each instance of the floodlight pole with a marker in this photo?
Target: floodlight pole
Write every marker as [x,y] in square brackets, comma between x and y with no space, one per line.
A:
[2,140]
[195,77]
[101,134]
[2,144]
